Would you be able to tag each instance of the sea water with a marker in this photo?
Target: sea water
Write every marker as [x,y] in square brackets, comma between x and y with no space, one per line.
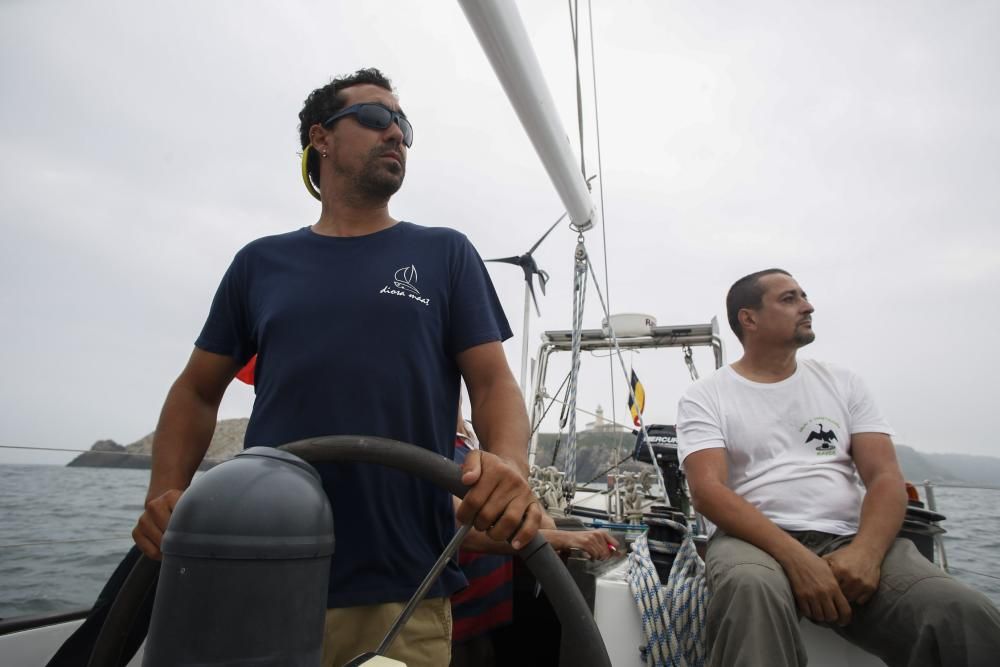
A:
[64,530]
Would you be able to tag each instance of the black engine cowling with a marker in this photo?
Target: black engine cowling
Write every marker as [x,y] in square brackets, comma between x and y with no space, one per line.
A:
[246,561]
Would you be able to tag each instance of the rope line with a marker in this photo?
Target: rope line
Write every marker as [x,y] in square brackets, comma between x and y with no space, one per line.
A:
[673,616]
[579,299]
[574,26]
[32,448]
[627,427]
[689,362]
[65,449]
[631,392]
[600,190]
[552,401]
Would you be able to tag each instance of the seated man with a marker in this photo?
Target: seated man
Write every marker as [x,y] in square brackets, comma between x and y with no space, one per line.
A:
[773,448]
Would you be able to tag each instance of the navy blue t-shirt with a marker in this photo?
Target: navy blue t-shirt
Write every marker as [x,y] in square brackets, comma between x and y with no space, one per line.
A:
[358,336]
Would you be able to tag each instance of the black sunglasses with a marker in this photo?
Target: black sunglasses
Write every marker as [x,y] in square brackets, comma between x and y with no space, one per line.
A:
[377,117]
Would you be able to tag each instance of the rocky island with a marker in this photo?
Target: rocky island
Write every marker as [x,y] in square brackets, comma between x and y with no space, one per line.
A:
[226,443]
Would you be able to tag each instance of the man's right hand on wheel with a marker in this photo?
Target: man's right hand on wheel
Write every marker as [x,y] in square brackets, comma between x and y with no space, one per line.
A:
[148,531]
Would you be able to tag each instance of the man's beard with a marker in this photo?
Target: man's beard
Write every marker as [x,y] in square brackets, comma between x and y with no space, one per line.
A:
[378,180]
[803,338]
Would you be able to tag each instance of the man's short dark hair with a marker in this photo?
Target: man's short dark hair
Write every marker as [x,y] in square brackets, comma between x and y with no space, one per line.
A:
[746,293]
[326,101]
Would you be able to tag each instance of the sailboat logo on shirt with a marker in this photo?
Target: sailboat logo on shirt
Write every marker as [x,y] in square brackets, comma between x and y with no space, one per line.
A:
[406,278]
[405,281]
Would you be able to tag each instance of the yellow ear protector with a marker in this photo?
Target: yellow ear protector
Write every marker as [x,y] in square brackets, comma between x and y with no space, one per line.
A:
[305,172]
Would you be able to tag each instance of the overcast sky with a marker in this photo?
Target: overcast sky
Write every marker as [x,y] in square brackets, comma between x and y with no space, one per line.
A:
[855,144]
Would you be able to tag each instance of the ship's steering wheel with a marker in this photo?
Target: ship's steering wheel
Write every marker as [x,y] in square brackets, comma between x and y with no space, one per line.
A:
[574,615]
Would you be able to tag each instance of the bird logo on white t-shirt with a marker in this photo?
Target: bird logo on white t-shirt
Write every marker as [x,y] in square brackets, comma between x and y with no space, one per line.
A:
[825,437]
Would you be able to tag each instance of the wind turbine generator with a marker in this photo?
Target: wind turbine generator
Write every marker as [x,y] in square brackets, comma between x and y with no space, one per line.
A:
[530,267]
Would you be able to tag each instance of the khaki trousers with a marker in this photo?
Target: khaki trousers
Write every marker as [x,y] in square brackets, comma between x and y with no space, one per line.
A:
[425,640]
[919,615]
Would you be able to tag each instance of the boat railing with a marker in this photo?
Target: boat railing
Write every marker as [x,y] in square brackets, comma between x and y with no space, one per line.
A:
[561,340]
[666,336]
[941,556]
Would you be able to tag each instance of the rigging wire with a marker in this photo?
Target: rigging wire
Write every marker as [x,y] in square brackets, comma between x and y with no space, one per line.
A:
[689,362]
[88,451]
[625,374]
[574,28]
[56,449]
[581,255]
[600,189]
[552,401]
[574,15]
[612,467]
[626,427]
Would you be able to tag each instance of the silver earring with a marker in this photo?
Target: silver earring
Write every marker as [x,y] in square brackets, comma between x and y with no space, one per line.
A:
[323,154]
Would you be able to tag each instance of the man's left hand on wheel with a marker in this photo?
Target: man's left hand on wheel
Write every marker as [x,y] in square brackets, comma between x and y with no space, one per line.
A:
[499,501]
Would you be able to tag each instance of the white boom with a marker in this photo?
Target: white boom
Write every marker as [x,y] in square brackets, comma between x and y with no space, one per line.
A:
[501,33]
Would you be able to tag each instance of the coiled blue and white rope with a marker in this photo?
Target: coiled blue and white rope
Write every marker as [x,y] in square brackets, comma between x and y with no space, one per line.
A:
[673,616]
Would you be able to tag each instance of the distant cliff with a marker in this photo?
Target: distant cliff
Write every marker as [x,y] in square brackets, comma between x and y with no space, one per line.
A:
[968,468]
[596,452]
[109,454]
[226,443]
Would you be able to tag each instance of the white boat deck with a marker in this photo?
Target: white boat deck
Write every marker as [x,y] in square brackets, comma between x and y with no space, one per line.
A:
[618,619]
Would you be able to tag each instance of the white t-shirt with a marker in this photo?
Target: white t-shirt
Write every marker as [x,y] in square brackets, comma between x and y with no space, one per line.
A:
[788,443]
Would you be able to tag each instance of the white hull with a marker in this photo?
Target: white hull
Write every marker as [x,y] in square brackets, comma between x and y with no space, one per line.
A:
[35,647]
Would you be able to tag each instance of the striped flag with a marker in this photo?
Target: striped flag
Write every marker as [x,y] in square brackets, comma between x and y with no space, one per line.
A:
[639,404]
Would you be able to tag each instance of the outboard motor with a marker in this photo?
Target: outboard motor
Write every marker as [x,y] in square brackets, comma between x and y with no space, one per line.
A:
[246,562]
[663,438]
